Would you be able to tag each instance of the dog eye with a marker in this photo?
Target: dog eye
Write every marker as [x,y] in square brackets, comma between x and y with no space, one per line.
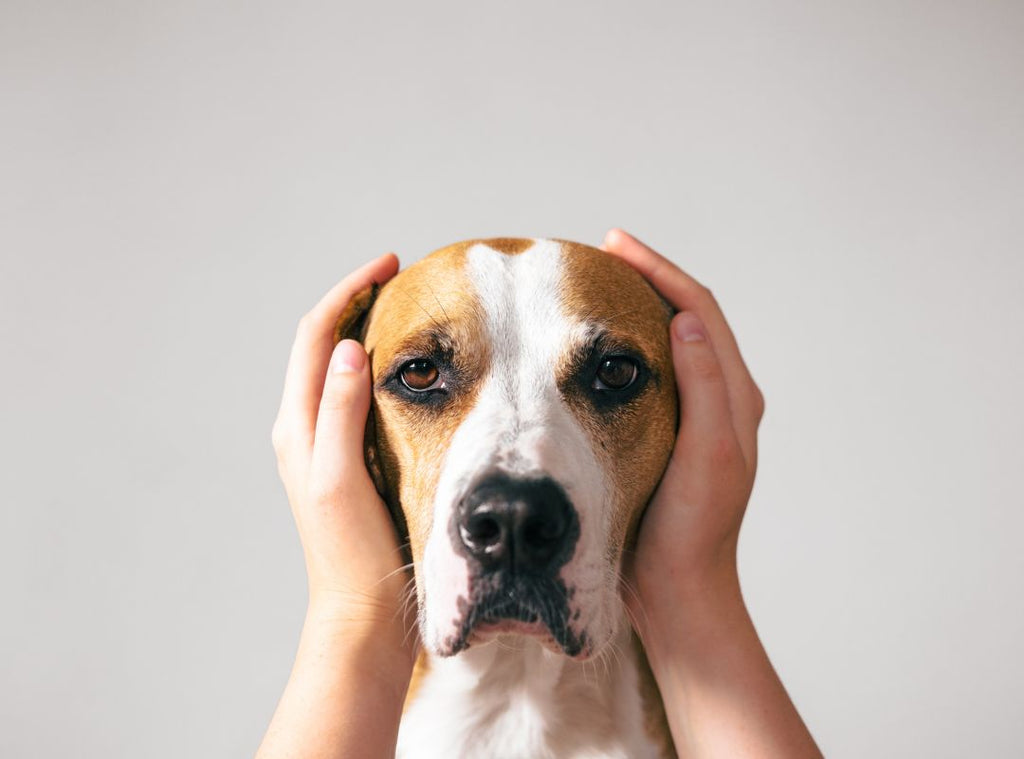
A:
[615,373]
[420,375]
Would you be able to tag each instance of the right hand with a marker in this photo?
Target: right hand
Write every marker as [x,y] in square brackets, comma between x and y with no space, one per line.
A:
[353,561]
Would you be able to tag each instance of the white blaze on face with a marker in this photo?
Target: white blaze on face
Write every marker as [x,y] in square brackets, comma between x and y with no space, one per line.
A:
[521,425]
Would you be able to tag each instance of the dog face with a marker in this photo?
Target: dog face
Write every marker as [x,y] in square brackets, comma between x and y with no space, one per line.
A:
[525,409]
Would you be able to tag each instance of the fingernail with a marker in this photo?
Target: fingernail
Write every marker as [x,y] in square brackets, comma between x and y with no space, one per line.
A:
[688,327]
[348,357]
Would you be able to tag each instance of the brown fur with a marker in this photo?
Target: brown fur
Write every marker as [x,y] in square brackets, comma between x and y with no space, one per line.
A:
[419,672]
[510,246]
[615,295]
[421,304]
[428,302]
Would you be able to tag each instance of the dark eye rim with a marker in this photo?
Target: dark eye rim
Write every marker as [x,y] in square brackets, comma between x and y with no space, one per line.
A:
[610,400]
[406,364]
[600,386]
[437,396]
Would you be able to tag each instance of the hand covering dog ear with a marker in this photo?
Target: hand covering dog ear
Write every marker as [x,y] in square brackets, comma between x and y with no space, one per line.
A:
[351,325]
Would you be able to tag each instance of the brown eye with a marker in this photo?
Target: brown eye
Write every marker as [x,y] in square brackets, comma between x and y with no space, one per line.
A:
[615,373]
[420,375]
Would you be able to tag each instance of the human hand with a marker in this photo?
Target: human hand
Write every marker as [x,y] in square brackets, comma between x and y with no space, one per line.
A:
[722,696]
[353,561]
[687,539]
[355,658]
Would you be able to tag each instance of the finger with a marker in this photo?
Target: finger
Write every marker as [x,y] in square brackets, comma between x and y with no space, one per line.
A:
[683,291]
[705,427]
[337,465]
[314,341]
[687,294]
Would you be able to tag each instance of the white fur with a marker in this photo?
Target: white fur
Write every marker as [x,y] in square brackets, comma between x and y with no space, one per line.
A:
[512,697]
[521,424]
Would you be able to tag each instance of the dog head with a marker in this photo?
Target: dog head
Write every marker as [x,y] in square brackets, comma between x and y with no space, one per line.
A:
[524,411]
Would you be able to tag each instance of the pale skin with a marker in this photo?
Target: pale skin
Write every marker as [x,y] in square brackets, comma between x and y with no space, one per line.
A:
[345,694]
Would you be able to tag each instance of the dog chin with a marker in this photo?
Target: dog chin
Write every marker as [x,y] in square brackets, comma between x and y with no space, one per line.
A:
[475,629]
[512,631]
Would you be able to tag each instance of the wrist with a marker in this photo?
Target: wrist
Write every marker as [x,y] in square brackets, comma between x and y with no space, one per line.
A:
[694,612]
[347,687]
[356,607]
[378,633]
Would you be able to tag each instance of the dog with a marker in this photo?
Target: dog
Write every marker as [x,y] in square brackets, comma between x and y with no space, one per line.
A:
[524,410]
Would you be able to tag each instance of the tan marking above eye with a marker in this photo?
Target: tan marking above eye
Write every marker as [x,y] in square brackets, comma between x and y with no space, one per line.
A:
[595,286]
[508,245]
[412,438]
[419,374]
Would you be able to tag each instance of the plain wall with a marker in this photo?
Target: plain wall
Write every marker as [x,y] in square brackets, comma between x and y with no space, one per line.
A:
[180,182]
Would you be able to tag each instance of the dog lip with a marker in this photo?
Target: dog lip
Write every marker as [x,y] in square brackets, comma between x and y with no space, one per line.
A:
[536,604]
[489,628]
[509,608]
[509,616]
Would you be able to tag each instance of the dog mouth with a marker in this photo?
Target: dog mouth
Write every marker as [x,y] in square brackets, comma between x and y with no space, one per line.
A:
[510,615]
[512,605]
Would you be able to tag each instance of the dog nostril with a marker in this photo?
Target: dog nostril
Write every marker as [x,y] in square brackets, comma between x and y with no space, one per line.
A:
[542,531]
[522,525]
[481,531]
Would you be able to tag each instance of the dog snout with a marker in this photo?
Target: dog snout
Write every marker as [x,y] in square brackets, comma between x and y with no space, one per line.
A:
[522,525]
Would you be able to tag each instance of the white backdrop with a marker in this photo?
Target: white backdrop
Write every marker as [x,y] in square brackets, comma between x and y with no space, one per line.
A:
[180,181]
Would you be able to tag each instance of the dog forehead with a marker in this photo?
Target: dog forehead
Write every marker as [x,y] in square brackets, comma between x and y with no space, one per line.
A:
[445,289]
[434,294]
[439,295]
[603,289]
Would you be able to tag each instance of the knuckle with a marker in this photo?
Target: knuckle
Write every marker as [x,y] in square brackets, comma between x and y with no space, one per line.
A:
[286,438]
[758,403]
[658,268]
[305,325]
[705,366]
[703,293]
[724,452]
[284,472]
[279,437]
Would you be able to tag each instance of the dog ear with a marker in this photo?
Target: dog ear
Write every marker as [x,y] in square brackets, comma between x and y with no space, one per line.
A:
[351,325]
[669,308]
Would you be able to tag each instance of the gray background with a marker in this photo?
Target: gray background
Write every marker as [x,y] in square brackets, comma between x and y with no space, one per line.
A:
[180,181]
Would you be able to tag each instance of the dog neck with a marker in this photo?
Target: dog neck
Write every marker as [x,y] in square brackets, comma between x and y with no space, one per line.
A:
[515,698]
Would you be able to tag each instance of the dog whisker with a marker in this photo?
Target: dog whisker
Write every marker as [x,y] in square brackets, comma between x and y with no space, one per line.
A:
[627,586]
[513,514]
[391,574]
[408,596]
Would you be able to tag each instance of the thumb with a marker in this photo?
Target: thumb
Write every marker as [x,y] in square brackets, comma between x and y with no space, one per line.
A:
[337,458]
[705,416]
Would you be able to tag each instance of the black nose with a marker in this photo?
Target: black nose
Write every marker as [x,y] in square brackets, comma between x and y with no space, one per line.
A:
[519,524]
